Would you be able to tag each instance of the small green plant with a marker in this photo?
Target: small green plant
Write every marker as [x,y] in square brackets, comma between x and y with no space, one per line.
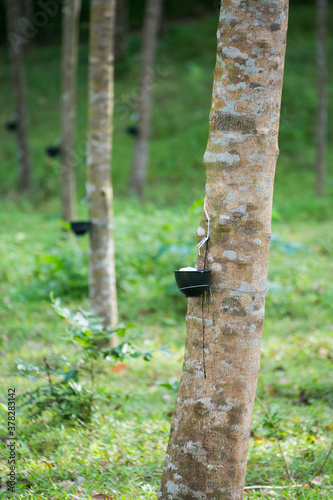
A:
[69,389]
[63,270]
[272,424]
[61,396]
[174,387]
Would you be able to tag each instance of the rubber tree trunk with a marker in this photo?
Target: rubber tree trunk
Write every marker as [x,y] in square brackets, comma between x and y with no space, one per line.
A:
[121,30]
[211,424]
[322,112]
[16,48]
[26,19]
[27,9]
[103,292]
[141,153]
[70,36]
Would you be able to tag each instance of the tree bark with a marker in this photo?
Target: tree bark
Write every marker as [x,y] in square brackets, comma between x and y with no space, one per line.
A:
[19,88]
[211,424]
[322,111]
[70,36]
[141,153]
[121,30]
[26,19]
[27,9]
[103,292]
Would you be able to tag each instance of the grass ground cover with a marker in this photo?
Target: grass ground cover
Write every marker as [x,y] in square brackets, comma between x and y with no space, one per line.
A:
[121,451]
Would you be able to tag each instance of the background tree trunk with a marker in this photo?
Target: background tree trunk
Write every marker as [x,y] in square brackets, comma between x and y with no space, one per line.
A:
[16,49]
[103,292]
[70,36]
[26,18]
[27,9]
[121,30]
[150,33]
[211,424]
[322,111]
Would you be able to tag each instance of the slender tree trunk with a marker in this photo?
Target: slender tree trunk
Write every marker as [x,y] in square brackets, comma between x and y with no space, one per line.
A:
[322,111]
[121,30]
[103,292]
[210,430]
[27,9]
[141,154]
[19,86]
[70,36]
[26,19]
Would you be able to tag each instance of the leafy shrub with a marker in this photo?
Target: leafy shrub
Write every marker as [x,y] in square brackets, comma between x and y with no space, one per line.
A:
[69,391]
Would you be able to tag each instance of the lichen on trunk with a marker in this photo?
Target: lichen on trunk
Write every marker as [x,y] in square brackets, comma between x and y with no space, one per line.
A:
[141,148]
[210,430]
[70,35]
[322,106]
[16,48]
[102,282]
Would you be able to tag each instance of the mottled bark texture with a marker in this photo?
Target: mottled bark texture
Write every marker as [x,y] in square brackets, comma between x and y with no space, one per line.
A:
[121,31]
[70,36]
[141,149]
[102,273]
[210,430]
[16,48]
[322,111]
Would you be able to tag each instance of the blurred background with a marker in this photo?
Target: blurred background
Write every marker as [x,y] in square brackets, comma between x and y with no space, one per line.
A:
[155,236]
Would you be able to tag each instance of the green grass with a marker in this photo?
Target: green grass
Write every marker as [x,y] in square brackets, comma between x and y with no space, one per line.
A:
[122,450]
